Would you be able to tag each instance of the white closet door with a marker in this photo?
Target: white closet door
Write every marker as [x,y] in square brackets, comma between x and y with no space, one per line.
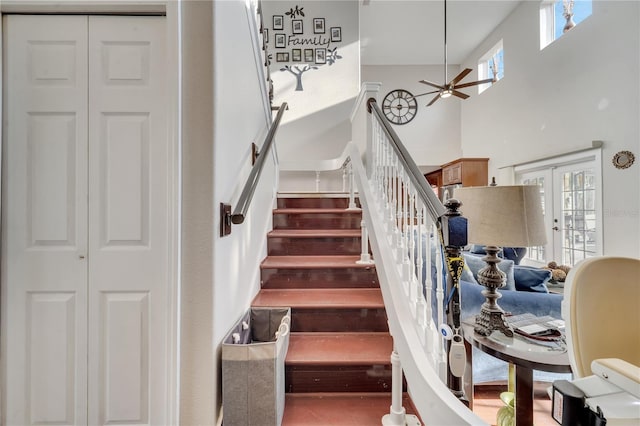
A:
[85,303]
[44,224]
[128,221]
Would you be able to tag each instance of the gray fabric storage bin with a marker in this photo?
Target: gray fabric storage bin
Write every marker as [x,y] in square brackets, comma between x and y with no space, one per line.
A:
[253,354]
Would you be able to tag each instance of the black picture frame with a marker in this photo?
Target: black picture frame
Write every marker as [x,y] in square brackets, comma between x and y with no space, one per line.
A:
[282,57]
[309,55]
[296,26]
[296,55]
[318,26]
[321,56]
[278,22]
[280,40]
[336,34]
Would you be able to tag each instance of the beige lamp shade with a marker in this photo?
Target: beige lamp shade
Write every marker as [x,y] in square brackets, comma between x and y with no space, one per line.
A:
[503,216]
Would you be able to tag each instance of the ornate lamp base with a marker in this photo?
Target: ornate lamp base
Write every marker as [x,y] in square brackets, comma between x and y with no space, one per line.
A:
[491,315]
[488,321]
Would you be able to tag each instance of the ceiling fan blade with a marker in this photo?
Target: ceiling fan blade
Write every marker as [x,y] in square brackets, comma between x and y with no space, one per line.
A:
[428,83]
[434,99]
[474,83]
[460,76]
[459,94]
[428,93]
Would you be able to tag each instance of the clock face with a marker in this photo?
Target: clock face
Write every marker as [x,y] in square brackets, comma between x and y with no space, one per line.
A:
[399,106]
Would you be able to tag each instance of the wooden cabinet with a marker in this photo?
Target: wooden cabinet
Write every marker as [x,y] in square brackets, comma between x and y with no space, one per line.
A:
[463,171]
[434,178]
[466,172]
[452,174]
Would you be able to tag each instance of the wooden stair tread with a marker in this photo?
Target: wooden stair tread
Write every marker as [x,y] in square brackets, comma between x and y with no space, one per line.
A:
[310,210]
[325,348]
[314,233]
[313,262]
[330,298]
[339,408]
[313,194]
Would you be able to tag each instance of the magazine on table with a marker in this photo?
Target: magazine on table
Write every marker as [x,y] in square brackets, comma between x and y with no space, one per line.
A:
[541,328]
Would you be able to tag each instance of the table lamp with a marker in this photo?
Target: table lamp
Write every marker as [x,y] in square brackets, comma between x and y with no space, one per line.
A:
[500,216]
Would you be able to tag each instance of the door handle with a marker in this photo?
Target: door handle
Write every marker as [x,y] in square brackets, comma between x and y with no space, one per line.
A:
[555,228]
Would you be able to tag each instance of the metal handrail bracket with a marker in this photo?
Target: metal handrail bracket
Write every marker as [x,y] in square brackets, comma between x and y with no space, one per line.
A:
[227,217]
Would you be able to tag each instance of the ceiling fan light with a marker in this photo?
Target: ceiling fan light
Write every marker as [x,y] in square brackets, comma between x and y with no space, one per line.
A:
[445,94]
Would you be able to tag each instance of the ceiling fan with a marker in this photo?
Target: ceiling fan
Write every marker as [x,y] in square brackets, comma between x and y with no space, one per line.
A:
[447,89]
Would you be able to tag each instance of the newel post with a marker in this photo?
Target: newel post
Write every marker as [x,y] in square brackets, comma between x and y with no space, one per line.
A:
[370,91]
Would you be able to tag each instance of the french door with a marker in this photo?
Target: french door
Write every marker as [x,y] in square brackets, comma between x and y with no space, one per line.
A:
[571,195]
[86,222]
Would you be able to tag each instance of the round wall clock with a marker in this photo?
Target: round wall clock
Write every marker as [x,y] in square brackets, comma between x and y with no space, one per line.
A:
[399,106]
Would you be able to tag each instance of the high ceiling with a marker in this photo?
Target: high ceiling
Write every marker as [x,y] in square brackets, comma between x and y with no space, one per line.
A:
[411,32]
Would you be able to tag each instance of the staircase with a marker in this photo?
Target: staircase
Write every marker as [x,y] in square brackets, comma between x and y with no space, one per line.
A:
[338,369]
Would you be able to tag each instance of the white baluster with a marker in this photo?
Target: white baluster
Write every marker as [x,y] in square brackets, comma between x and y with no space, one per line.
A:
[397,414]
[397,215]
[411,261]
[406,246]
[440,285]
[352,197]
[387,190]
[375,181]
[317,181]
[344,178]
[429,285]
[365,257]
[420,305]
[381,165]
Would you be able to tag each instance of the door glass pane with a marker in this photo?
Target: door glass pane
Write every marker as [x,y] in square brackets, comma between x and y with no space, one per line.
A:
[578,216]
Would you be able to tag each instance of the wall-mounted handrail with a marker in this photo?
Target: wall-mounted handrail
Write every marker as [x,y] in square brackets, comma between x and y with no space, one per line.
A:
[433,204]
[242,206]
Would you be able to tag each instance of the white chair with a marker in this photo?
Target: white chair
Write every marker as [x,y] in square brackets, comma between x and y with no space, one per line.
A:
[601,309]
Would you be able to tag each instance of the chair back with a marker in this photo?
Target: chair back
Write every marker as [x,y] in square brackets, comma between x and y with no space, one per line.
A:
[601,309]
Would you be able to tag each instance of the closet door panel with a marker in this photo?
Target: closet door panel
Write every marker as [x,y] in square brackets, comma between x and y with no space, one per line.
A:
[128,218]
[44,223]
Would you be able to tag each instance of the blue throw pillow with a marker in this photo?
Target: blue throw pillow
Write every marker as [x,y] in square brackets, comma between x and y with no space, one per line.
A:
[476,263]
[514,253]
[533,279]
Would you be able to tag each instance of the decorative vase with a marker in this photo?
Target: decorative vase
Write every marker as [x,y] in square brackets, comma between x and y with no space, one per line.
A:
[506,415]
[569,24]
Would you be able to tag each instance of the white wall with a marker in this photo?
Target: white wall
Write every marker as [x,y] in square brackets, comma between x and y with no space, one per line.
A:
[433,136]
[197,370]
[239,119]
[317,124]
[582,87]
[223,114]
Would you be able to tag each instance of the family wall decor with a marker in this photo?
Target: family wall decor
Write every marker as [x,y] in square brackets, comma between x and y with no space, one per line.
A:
[306,43]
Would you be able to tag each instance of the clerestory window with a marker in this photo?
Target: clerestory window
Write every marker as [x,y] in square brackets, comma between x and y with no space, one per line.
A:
[559,16]
[491,65]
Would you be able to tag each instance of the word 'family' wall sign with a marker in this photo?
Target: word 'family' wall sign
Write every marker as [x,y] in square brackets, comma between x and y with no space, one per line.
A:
[303,44]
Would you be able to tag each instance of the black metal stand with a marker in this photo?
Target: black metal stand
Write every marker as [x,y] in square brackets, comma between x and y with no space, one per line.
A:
[454,234]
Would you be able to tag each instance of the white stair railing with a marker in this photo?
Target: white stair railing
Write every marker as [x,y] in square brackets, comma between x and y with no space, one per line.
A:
[401,221]
[418,346]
